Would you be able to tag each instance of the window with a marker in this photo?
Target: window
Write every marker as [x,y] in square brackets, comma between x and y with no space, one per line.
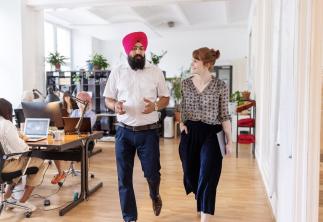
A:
[57,39]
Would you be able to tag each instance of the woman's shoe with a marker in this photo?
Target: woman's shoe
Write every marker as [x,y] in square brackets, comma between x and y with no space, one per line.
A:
[58,178]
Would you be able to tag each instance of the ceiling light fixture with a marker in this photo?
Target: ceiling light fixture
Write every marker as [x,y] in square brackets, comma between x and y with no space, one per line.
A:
[171,24]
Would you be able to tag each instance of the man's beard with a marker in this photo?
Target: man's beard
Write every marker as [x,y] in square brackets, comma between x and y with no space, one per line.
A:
[137,62]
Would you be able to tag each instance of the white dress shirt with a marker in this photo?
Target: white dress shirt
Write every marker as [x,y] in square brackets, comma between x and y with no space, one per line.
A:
[9,138]
[133,86]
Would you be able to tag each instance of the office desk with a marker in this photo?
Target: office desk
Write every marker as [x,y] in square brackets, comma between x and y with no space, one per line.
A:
[69,142]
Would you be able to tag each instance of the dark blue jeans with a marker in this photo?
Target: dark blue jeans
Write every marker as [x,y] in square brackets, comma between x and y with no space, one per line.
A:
[146,143]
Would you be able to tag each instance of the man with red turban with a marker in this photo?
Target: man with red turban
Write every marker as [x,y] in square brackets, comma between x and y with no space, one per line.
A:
[136,91]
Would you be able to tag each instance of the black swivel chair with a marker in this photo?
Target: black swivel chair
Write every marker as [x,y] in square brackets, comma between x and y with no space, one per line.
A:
[19,117]
[6,178]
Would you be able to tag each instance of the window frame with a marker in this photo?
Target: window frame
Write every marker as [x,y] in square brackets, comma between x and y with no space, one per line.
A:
[68,64]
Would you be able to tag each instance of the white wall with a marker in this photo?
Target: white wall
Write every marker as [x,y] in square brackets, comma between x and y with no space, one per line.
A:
[280,58]
[11,51]
[33,49]
[81,49]
[21,53]
[232,43]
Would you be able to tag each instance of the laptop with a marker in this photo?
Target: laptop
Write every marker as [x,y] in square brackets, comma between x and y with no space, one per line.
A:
[71,122]
[36,128]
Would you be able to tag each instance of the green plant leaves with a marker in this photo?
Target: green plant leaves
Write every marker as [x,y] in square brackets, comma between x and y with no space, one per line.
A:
[55,58]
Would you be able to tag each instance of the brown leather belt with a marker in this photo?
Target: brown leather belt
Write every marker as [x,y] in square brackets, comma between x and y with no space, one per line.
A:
[139,128]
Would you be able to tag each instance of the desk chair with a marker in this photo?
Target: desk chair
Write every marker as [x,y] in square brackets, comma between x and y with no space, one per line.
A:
[19,117]
[6,178]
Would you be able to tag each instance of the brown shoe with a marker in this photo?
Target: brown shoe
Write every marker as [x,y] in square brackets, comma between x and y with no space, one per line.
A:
[157,205]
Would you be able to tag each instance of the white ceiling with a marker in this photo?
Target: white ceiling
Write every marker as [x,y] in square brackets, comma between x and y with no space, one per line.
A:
[109,19]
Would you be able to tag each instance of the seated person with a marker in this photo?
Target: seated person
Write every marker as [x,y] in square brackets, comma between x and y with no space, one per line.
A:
[27,96]
[84,96]
[88,112]
[12,143]
[68,104]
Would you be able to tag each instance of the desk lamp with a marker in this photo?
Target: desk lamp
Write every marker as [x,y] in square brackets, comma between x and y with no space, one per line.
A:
[79,123]
[51,97]
[38,93]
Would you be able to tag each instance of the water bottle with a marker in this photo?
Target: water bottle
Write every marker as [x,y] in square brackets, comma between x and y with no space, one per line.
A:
[75,196]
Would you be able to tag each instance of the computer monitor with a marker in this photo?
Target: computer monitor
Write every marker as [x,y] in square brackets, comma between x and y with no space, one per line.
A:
[52,110]
[56,116]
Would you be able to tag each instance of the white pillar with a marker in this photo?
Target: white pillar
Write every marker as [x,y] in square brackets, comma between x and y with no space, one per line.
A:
[21,54]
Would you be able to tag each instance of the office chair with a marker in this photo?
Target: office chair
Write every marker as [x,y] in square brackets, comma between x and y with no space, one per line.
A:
[6,178]
[19,117]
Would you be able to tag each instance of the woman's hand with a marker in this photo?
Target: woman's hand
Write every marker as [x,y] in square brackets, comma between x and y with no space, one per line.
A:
[23,136]
[228,148]
[182,127]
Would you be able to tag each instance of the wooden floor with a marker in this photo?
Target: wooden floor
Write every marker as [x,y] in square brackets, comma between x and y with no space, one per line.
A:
[241,194]
[321,193]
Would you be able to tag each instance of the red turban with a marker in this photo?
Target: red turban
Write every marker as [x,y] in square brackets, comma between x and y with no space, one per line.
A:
[131,39]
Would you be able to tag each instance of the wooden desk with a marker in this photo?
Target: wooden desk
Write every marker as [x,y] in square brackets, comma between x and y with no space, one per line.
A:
[69,142]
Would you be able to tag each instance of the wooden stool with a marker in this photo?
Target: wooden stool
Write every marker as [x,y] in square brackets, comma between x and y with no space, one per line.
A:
[176,124]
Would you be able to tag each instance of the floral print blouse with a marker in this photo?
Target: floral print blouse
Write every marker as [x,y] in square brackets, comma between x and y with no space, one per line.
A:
[209,106]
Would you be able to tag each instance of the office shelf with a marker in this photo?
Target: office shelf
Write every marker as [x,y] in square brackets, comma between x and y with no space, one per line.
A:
[75,81]
[249,110]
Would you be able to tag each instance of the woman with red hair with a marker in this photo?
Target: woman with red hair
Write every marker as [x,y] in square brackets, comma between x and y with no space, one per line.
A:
[204,113]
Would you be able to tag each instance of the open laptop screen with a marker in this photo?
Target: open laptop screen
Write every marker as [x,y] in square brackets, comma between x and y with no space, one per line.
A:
[36,126]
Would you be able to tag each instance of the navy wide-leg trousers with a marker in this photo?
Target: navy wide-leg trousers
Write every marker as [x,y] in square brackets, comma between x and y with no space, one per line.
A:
[202,163]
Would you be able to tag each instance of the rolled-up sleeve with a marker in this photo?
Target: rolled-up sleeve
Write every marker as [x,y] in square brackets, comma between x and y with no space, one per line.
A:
[110,90]
[162,90]
[224,103]
[182,106]
[14,143]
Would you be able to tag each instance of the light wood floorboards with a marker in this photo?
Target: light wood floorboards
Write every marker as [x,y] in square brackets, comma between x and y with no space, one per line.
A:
[241,194]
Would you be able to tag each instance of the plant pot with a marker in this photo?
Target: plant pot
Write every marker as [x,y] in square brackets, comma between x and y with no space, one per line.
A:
[177,116]
[245,95]
[57,67]
[96,67]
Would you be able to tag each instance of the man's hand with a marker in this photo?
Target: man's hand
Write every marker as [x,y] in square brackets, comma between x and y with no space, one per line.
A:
[149,106]
[119,108]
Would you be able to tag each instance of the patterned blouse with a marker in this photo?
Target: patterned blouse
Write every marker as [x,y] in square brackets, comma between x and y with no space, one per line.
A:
[210,106]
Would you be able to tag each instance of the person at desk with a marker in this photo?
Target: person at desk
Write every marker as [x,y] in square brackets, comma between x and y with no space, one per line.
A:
[12,143]
[84,96]
[136,91]
[68,104]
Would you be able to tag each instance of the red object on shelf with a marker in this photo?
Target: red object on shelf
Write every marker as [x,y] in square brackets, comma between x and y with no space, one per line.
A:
[246,122]
[246,138]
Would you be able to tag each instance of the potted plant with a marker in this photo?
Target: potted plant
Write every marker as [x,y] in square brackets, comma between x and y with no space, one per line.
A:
[99,62]
[155,59]
[177,94]
[56,60]
[236,100]
[245,95]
